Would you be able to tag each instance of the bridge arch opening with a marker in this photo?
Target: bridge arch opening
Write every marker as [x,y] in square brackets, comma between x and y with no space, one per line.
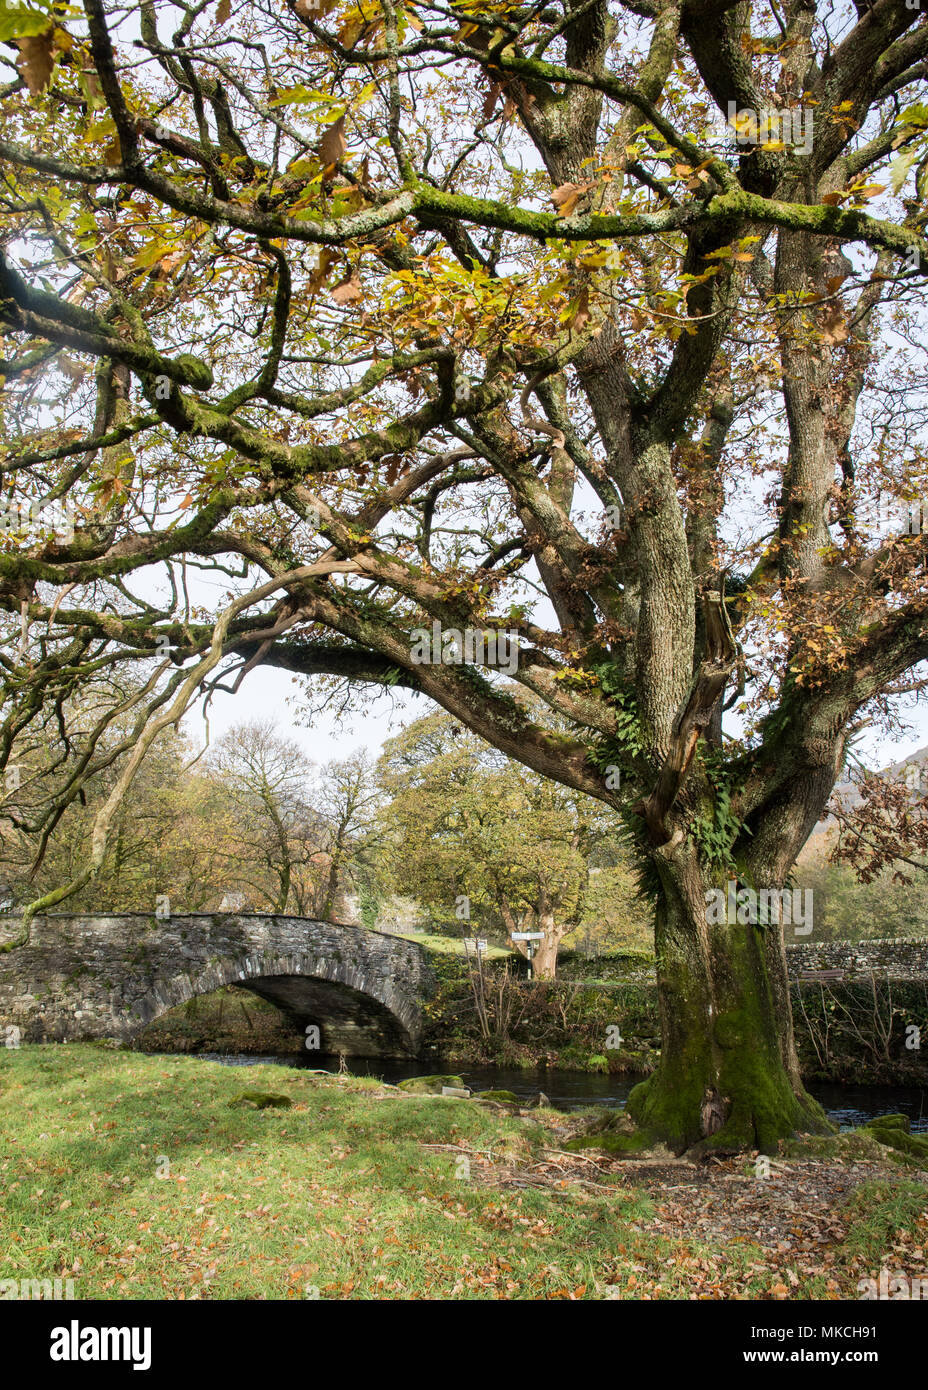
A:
[344,1016]
[348,1020]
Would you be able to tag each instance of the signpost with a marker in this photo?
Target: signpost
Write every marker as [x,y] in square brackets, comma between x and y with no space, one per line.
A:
[530,937]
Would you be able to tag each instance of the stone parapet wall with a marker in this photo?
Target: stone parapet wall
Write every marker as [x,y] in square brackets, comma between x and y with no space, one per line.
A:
[896,959]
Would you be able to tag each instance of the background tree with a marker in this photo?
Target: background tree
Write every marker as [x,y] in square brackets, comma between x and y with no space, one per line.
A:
[269,833]
[848,910]
[345,799]
[616,918]
[165,840]
[400,313]
[250,820]
[463,821]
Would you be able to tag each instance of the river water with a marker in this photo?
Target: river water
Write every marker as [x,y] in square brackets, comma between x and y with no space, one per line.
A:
[848,1106]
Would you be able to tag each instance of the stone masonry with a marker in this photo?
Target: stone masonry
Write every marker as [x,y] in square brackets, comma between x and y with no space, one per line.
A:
[887,958]
[83,977]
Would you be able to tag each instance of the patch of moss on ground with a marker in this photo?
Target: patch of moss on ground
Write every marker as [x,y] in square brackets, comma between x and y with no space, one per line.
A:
[430,1085]
[614,1133]
[261,1100]
[851,1144]
[882,1139]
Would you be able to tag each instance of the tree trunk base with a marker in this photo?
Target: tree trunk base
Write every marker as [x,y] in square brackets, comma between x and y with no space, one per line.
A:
[749,1104]
[728,1078]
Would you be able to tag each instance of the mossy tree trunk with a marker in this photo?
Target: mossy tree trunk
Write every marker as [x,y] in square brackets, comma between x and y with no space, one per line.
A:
[728,1077]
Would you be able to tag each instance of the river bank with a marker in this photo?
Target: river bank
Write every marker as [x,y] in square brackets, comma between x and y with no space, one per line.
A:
[856,1032]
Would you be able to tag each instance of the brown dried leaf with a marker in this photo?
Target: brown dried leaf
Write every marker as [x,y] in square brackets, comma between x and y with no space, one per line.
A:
[327,258]
[489,103]
[581,314]
[396,467]
[348,290]
[352,30]
[74,371]
[333,143]
[168,263]
[834,325]
[566,197]
[36,60]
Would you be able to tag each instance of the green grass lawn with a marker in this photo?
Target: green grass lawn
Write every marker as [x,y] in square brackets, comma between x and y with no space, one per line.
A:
[452,945]
[134,1176]
[337,1194]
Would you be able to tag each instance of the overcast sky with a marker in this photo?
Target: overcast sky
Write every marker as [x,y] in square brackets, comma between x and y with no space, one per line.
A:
[267,693]
[270,693]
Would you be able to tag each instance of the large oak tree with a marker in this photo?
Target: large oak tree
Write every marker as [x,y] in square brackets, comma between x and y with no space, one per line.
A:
[328,321]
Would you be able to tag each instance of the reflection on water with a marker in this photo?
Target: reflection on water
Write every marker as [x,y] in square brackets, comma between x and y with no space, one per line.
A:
[848,1106]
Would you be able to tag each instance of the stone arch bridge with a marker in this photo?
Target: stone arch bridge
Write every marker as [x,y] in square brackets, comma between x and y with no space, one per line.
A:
[83,977]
